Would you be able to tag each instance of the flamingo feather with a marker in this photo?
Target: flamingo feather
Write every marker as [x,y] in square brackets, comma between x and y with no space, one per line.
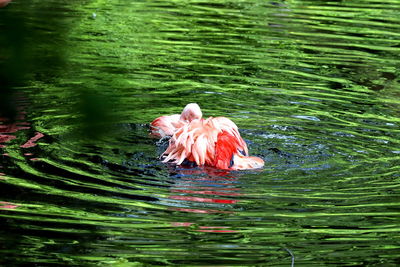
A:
[213,141]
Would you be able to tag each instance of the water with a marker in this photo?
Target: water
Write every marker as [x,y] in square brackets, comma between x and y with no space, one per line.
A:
[313,86]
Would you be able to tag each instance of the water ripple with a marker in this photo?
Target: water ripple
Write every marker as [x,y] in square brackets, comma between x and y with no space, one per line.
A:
[313,87]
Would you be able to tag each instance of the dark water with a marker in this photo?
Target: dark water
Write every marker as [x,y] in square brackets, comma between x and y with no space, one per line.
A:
[313,86]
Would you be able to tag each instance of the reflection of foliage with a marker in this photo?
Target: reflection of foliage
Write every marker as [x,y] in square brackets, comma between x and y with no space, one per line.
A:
[293,74]
[34,49]
[127,54]
[27,49]
[355,43]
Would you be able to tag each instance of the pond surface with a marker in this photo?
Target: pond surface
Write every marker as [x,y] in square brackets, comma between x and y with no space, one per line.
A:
[312,85]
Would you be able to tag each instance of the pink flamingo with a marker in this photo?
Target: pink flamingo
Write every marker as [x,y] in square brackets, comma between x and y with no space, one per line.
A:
[212,142]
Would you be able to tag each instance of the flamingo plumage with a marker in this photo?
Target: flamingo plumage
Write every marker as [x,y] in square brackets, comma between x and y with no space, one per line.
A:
[212,142]
[167,125]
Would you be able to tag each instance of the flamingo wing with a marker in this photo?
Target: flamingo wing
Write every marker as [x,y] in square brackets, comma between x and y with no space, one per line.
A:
[164,125]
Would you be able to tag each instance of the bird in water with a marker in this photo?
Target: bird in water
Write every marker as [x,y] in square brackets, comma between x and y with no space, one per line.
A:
[214,142]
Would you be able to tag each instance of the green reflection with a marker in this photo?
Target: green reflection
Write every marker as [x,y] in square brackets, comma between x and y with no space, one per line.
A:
[313,85]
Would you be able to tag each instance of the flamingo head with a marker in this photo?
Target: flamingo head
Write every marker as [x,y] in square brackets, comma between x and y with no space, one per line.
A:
[191,112]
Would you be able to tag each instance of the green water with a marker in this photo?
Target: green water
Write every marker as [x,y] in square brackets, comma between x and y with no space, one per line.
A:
[312,85]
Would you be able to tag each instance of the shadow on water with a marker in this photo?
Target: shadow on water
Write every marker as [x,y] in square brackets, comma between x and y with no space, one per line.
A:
[28,49]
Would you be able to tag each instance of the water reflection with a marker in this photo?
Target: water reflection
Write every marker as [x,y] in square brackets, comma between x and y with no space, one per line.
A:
[313,85]
[205,190]
[7,205]
[10,128]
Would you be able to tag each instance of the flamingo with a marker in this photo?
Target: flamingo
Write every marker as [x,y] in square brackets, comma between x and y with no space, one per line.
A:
[214,142]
